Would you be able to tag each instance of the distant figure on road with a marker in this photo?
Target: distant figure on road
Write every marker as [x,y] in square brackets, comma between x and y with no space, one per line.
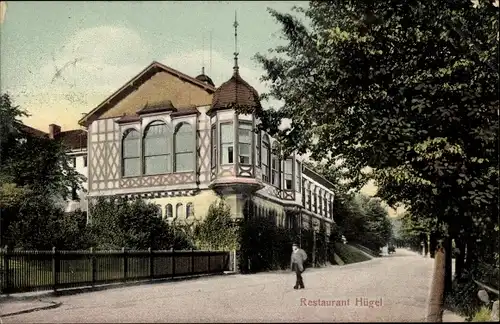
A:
[298,258]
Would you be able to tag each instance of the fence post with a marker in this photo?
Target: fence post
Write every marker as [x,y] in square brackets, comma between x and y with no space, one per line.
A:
[151,264]
[6,278]
[93,266]
[55,269]
[192,260]
[209,262]
[173,262]
[125,264]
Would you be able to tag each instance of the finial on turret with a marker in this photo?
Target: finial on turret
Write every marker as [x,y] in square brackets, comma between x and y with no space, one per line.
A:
[235,25]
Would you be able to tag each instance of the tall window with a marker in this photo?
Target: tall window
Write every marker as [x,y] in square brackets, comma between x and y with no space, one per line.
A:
[85,161]
[159,212]
[315,201]
[320,202]
[226,143]
[213,140]
[309,197]
[131,156]
[265,158]
[245,143]
[179,211]
[168,211]
[184,148]
[288,174]
[189,210]
[157,157]
[258,151]
[275,169]
[298,172]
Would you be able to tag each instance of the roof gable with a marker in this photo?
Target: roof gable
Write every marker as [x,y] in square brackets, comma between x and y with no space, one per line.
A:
[134,84]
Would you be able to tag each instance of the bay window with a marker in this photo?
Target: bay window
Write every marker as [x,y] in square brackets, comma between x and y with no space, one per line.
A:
[275,171]
[265,158]
[245,143]
[298,177]
[288,172]
[226,143]
[213,141]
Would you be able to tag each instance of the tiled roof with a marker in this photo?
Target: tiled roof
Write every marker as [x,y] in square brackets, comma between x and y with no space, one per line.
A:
[205,79]
[165,106]
[235,92]
[73,139]
[128,119]
[32,131]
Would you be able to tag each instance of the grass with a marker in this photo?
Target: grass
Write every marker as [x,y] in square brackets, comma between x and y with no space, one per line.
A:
[350,254]
[483,315]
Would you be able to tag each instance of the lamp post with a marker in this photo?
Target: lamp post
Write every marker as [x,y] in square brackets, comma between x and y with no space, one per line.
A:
[315,227]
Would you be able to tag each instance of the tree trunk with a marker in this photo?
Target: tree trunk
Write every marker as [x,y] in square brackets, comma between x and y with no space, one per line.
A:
[436,294]
[471,253]
[426,246]
[432,244]
[460,258]
[448,265]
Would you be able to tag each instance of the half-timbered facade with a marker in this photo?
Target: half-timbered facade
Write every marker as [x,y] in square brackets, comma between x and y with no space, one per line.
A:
[176,140]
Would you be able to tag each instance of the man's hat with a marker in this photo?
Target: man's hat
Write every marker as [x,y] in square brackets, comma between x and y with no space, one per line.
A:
[295,244]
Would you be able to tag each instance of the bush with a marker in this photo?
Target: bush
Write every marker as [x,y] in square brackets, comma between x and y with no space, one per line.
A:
[349,254]
[117,223]
[483,315]
[218,231]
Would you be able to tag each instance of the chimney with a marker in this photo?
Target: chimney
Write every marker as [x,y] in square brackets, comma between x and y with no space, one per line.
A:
[54,130]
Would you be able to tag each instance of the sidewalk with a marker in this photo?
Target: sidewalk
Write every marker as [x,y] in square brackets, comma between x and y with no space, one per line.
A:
[9,307]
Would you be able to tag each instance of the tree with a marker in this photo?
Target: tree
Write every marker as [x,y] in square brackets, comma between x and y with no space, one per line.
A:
[218,231]
[117,223]
[35,173]
[406,88]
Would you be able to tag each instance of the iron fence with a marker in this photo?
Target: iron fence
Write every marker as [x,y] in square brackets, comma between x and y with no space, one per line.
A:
[23,271]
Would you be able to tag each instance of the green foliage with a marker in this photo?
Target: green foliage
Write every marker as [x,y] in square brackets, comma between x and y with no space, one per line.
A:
[408,89]
[349,254]
[218,231]
[117,223]
[35,175]
[483,315]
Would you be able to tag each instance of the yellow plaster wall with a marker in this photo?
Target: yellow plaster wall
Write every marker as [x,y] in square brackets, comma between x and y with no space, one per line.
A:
[161,87]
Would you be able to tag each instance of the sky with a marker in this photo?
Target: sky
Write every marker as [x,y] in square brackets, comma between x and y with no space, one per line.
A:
[59,60]
[102,45]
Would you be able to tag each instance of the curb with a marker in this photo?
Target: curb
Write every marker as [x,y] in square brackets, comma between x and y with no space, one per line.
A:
[34,309]
[79,290]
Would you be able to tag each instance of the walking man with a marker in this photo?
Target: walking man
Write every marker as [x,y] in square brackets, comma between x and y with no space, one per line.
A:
[298,258]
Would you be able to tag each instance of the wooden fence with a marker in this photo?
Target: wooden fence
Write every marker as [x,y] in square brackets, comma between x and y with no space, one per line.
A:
[23,271]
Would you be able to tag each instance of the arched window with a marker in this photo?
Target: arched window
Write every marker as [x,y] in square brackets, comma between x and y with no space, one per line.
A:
[159,212]
[184,148]
[157,159]
[168,211]
[179,211]
[189,210]
[265,158]
[275,167]
[131,153]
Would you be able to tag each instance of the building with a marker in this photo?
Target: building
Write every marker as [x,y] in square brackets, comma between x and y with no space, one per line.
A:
[176,141]
[75,141]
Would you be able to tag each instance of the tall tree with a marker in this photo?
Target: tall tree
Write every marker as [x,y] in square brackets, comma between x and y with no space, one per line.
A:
[407,88]
[35,173]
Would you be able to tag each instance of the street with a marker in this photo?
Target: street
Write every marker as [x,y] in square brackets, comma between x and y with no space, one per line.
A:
[396,286]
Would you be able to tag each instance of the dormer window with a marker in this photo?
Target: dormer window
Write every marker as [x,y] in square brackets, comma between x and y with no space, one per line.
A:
[226,143]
